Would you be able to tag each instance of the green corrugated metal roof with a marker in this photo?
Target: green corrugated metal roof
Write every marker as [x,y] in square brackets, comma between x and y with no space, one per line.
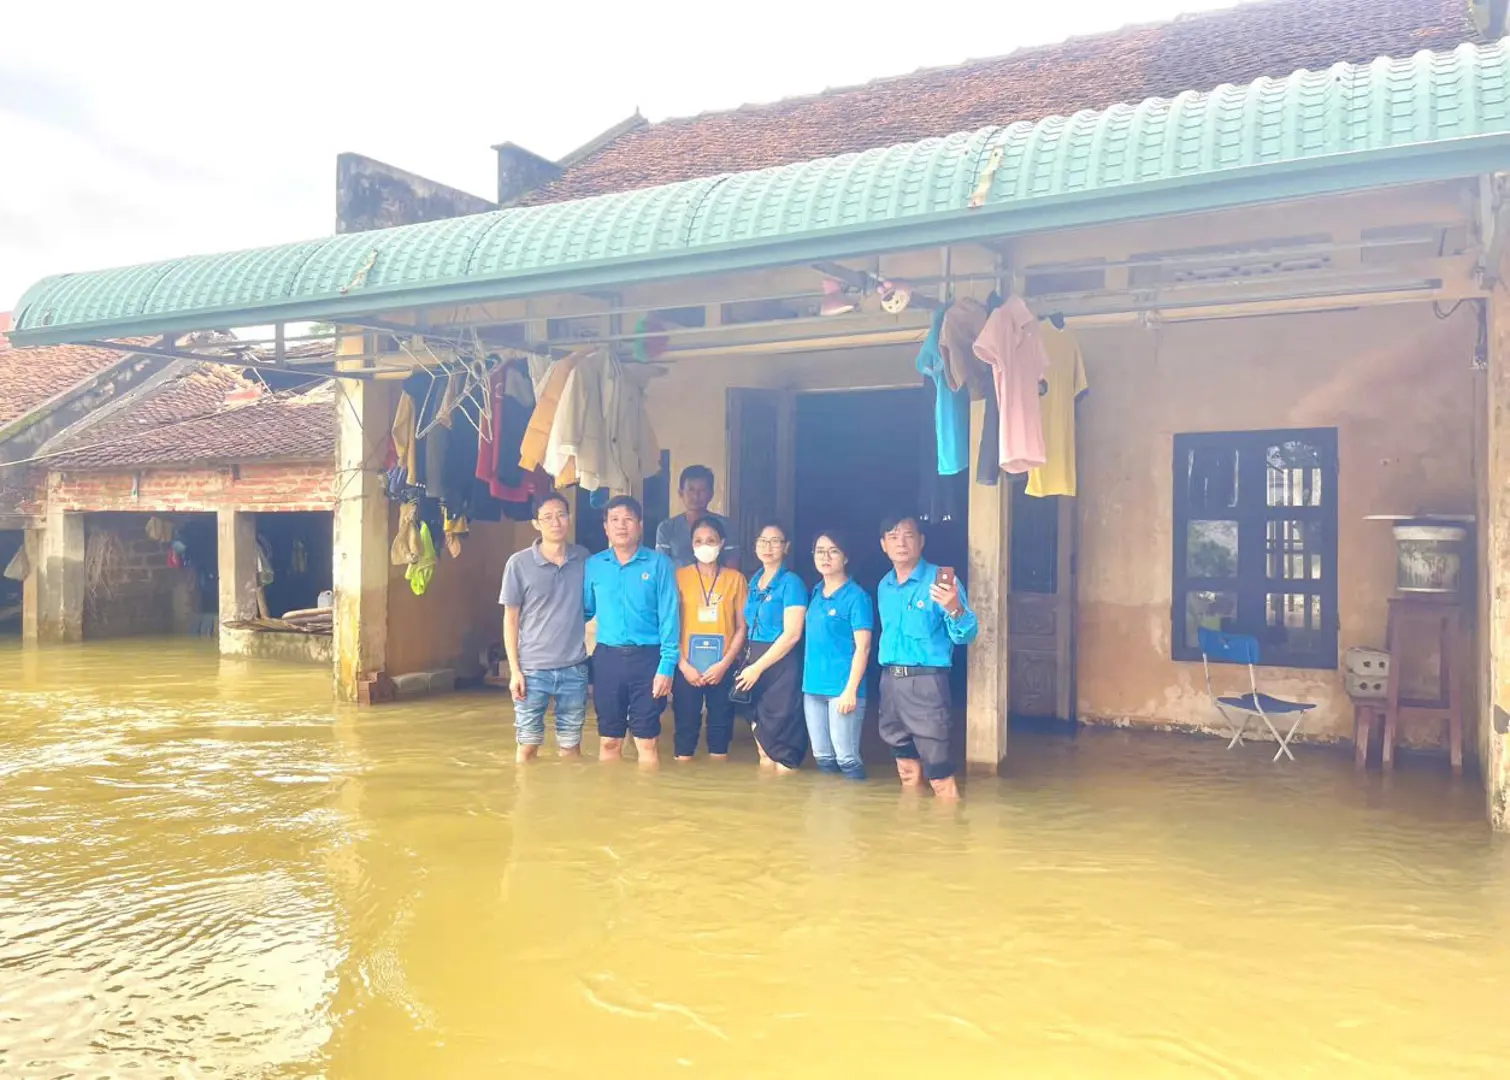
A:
[1432,116]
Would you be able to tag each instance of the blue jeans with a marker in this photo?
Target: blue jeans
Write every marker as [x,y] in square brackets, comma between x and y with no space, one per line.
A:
[568,687]
[835,736]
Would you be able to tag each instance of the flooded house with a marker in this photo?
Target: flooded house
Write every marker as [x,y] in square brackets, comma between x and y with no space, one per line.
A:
[173,497]
[1271,238]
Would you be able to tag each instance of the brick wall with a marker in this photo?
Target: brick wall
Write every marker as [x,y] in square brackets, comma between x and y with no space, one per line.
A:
[146,595]
[278,486]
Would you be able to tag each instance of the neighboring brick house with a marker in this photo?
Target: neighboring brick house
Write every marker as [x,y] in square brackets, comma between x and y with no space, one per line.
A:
[1194,52]
[208,448]
[42,392]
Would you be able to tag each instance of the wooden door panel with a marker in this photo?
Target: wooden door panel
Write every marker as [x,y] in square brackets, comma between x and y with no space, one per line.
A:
[1041,608]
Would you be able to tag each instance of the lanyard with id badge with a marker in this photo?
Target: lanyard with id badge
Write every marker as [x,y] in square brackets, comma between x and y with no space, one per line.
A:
[706,649]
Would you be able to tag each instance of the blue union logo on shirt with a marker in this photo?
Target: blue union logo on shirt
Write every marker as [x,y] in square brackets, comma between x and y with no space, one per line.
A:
[920,605]
[646,577]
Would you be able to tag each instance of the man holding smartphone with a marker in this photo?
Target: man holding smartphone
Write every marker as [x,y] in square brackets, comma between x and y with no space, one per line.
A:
[924,615]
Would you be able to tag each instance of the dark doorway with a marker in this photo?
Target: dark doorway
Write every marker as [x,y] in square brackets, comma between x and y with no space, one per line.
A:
[299,547]
[11,541]
[861,455]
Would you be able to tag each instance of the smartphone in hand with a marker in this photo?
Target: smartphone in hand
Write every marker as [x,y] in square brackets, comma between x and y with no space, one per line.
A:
[945,576]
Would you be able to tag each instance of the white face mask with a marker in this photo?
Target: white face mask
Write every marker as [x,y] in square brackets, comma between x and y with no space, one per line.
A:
[707,553]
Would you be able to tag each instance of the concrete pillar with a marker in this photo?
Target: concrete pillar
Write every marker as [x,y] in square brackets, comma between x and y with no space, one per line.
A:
[1494,564]
[236,539]
[988,663]
[60,578]
[30,597]
[365,412]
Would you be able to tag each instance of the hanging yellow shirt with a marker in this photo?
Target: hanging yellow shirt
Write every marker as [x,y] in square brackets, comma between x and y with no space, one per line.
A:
[1066,379]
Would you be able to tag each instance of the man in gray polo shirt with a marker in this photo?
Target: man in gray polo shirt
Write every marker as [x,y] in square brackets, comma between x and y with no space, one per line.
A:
[544,632]
[673,537]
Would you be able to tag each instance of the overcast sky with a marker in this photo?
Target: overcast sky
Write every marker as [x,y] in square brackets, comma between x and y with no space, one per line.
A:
[147,130]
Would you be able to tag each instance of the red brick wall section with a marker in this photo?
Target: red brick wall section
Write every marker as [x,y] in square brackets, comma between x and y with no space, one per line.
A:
[275,487]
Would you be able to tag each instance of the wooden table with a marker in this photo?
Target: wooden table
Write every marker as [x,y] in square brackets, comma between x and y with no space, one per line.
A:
[1443,617]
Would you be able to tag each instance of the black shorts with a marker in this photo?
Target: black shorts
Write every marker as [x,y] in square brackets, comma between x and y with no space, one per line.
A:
[915,719]
[623,678]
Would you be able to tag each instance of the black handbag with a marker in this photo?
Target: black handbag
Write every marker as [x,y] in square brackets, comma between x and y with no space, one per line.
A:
[736,695]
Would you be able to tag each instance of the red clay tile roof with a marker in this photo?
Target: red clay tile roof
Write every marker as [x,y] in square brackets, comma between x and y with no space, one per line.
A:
[187,420]
[1196,52]
[32,377]
[16,499]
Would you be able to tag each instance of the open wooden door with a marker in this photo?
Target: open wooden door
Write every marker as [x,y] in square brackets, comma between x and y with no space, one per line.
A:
[762,473]
[1042,607]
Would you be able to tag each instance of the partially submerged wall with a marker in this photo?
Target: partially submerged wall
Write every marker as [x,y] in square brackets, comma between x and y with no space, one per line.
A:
[1396,382]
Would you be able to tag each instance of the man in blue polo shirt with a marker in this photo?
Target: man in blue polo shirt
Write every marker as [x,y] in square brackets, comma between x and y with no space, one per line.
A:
[922,621]
[631,591]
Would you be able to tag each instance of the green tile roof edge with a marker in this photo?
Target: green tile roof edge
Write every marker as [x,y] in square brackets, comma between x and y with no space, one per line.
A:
[1432,116]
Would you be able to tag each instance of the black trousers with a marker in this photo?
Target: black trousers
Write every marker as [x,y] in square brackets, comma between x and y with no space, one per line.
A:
[915,720]
[687,703]
[623,678]
[777,716]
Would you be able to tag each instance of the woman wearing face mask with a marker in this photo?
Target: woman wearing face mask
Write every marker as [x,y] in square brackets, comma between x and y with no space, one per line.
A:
[840,622]
[774,614]
[713,636]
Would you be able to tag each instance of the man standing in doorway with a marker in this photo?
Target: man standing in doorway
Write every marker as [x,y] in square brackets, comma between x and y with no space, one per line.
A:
[544,633]
[673,537]
[922,620]
[631,591]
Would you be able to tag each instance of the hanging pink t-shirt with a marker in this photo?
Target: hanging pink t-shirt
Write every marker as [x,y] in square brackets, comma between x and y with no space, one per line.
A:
[1010,343]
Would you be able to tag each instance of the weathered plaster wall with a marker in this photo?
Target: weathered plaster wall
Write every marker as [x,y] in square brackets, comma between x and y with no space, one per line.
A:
[371,194]
[1395,381]
[458,616]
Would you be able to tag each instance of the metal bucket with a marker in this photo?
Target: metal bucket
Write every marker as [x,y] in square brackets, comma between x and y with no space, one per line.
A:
[1429,558]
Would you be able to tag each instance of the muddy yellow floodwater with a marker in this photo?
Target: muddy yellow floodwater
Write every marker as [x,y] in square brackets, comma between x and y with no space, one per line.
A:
[208,869]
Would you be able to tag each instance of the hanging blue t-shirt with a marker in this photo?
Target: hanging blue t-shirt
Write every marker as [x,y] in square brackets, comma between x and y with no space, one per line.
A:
[829,644]
[951,408]
[765,610]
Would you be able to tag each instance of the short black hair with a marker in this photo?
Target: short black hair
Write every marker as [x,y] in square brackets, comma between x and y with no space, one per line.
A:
[708,521]
[695,472]
[835,537]
[891,521]
[550,497]
[629,502]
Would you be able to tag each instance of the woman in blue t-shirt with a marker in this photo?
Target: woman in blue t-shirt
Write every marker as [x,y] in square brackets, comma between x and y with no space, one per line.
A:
[770,676]
[840,622]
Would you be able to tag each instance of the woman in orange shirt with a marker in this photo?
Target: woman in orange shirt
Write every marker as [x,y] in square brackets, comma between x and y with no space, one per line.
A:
[713,637]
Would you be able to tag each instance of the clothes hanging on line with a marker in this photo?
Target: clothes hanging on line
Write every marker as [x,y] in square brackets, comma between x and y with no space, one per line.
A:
[1012,345]
[962,324]
[404,450]
[941,498]
[405,547]
[422,570]
[548,393]
[513,403]
[1066,383]
[951,406]
[600,437]
[988,460]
